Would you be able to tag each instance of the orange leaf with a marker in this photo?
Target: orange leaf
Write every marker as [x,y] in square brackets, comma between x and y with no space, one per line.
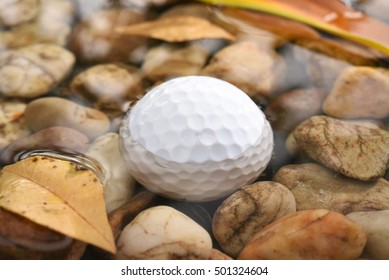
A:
[329,15]
[59,195]
[177,29]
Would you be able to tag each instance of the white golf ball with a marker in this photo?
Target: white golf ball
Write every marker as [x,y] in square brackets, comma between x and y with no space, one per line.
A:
[195,138]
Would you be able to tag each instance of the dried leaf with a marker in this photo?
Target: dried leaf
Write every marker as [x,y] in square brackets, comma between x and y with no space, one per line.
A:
[301,34]
[59,195]
[177,29]
[329,15]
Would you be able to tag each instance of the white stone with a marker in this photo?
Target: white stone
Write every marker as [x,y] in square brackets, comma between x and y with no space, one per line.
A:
[163,233]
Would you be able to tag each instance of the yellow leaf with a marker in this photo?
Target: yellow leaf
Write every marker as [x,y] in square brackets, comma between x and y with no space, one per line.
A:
[59,195]
[328,15]
[177,29]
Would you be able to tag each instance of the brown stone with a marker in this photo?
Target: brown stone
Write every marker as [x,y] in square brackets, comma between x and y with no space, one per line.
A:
[23,239]
[315,186]
[247,211]
[359,92]
[353,150]
[54,111]
[254,70]
[54,138]
[309,234]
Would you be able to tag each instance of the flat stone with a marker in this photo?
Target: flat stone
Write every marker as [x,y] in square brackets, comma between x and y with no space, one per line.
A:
[315,187]
[356,151]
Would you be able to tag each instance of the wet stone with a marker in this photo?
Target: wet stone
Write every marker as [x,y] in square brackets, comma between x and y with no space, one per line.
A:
[315,187]
[118,183]
[353,150]
[54,111]
[52,25]
[34,70]
[254,70]
[163,233]
[16,12]
[168,61]
[359,92]
[53,138]
[376,226]
[94,40]
[247,211]
[291,108]
[306,235]
[109,86]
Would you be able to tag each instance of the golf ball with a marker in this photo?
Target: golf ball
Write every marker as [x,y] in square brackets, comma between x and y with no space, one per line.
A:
[195,138]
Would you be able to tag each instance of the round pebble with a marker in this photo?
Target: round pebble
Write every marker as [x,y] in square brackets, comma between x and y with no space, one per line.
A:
[163,233]
[247,211]
[54,111]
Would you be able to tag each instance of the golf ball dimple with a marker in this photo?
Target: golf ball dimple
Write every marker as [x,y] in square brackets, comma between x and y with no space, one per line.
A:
[186,138]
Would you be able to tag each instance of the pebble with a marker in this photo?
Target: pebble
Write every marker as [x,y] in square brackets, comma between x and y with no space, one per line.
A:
[17,12]
[289,109]
[163,233]
[353,150]
[315,187]
[305,235]
[246,65]
[118,184]
[51,25]
[247,211]
[54,111]
[34,70]
[169,60]
[108,83]
[376,226]
[94,40]
[359,92]
[322,70]
[12,122]
[55,138]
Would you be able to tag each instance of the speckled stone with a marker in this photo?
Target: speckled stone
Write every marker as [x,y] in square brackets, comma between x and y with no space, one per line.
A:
[247,211]
[34,70]
[315,186]
[353,150]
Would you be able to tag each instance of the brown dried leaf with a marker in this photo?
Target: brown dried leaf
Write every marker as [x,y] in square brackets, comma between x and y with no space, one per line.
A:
[59,195]
[177,29]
